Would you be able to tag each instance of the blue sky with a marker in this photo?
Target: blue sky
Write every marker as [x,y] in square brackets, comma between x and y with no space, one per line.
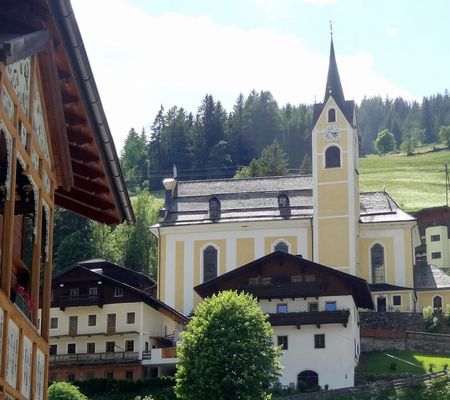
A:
[145,53]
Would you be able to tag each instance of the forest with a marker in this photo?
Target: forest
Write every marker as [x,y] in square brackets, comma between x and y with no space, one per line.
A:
[256,138]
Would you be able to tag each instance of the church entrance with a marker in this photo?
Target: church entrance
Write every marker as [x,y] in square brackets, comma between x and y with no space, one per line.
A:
[307,381]
[381,304]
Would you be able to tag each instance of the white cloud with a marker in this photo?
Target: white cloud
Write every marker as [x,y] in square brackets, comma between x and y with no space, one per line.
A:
[141,61]
[392,31]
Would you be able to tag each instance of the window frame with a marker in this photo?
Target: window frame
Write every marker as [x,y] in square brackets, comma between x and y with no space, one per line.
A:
[331,303]
[72,349]
[118,292]
[129,344]
[282,340]
[435,237]
[436,255]
[108,348]
[204,249]
[51,322]
[327,161]
[282,306]
[53,349]
[94,316]
[373,271]
[396,296]
[312,305]
[131,315]
[319,341]
[331,112]
[89,347]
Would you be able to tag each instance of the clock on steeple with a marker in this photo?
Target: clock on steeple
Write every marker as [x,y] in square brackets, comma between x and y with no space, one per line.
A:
[335,177]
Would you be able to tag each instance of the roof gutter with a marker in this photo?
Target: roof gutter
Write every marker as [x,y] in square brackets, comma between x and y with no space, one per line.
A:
[68,28]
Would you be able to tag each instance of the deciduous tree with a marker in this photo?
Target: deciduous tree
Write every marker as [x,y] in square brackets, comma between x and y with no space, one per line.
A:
[385,142]
[227,351]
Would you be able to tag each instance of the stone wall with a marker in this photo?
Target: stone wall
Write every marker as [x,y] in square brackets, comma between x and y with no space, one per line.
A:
[428,342]
[392,321]
[381,344]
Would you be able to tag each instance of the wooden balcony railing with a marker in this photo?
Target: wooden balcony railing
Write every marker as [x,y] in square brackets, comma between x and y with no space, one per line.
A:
[93,358]
[310,318]
[81,300]
[285,290]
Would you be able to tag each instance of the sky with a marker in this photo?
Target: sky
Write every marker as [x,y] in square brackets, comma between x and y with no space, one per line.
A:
[148,53]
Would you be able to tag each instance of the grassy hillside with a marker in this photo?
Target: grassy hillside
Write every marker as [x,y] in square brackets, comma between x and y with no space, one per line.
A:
[415,182]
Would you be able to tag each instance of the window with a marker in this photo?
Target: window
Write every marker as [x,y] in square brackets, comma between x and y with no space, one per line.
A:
[70,377]
[332,157]
[266,281]
[253,281]
[312,307]
[111,322]
[331,115]
[283,342]
[92,291]
[129,345]
[396,300]
[131,318]
[53,349]
[129,375]
[437,303]
[118,292]
[71,348]
[296,278]
[283,201]
[92,320]
[209,263]
[54,323]
[109,375]
[214,208]
[330,306]
[73,292]
[436,255]
[282,308]
[319,341]
[282,246]
[90,347]
[310,278]
[377,262]
[435,238]
[110,346]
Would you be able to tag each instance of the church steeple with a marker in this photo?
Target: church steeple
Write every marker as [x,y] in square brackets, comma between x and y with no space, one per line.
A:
[333,87]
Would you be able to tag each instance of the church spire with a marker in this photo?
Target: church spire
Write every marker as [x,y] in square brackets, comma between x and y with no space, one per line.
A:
[333,87]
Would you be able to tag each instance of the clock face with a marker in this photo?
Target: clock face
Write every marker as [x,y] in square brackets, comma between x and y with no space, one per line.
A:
[331,133]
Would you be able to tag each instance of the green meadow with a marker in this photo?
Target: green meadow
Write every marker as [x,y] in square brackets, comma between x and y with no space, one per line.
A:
[415,182]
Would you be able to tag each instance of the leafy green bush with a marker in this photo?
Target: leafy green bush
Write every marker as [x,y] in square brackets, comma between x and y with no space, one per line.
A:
[64,391]
[432,323]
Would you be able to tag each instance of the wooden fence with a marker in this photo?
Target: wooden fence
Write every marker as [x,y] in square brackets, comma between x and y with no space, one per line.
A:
[363,389]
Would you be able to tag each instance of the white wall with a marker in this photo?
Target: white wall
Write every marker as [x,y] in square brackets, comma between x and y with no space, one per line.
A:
[335,363]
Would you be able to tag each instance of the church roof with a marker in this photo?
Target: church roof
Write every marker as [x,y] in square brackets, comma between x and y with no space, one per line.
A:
[256,199]
[430,277]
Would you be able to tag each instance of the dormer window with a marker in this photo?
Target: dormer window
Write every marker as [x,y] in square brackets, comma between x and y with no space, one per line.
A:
[331,115]
[214,208]
[283,201]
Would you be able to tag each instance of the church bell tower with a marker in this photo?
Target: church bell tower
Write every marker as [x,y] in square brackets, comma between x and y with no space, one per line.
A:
[335,176]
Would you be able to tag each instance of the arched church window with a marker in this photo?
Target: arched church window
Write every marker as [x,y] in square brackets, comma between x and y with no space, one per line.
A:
[332,157]
[209,263]
[437,303]
[377,263]
[331,115]
[282,246]
[283,201]
[214,208]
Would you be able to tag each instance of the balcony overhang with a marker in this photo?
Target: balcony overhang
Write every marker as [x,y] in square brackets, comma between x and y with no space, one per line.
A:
[317,318]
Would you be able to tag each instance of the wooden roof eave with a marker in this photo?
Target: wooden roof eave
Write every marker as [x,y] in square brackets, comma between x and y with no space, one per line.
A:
[76,55]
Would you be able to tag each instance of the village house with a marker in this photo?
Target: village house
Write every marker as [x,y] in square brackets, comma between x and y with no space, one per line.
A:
[313,311]
[106,323]
[55,150]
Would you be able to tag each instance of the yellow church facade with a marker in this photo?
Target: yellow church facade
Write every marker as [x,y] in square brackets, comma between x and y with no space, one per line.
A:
[208,228]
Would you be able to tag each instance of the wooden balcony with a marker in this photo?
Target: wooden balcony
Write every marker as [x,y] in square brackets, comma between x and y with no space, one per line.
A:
[161,356]
[285,290]
[317,318]
[81,300]
[93,358]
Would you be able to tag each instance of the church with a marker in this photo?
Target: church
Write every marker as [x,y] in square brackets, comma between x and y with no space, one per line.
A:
[210,227]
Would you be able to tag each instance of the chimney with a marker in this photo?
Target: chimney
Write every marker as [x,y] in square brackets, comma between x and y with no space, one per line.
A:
[170,185]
